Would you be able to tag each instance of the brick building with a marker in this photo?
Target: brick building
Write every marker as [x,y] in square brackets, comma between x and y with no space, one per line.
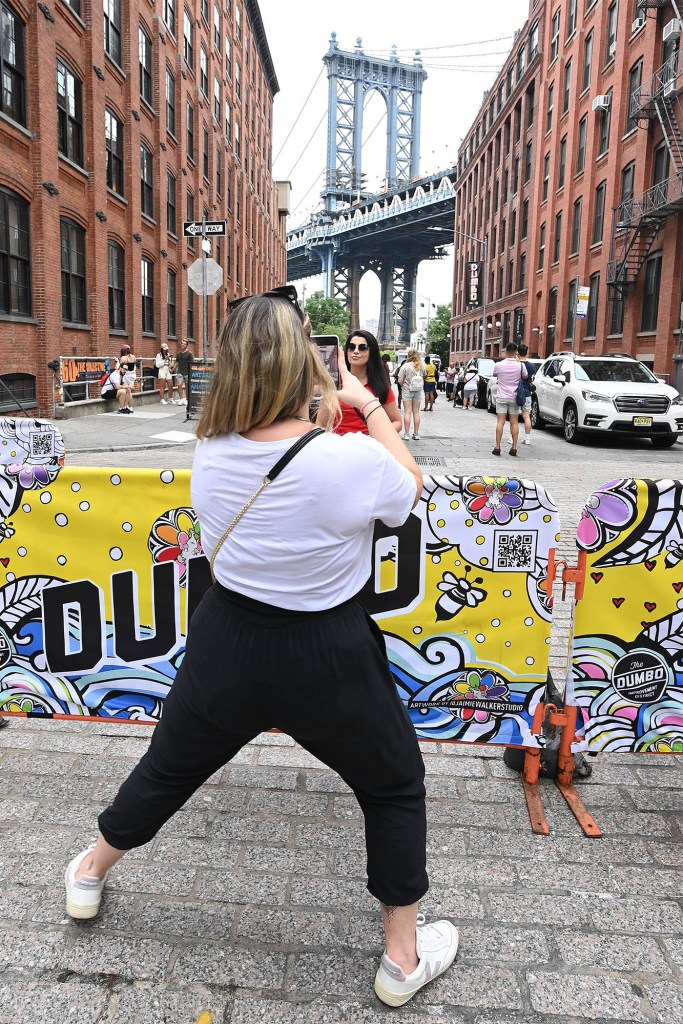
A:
[586,192]
[116,126]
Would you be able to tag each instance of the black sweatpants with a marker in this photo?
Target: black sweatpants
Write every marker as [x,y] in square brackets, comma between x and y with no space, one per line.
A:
[321,677]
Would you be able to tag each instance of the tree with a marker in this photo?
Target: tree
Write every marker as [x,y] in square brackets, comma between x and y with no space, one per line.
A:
[438,343]
[327,316]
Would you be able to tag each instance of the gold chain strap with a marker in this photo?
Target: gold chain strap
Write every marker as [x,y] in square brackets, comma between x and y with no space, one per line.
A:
[233,524]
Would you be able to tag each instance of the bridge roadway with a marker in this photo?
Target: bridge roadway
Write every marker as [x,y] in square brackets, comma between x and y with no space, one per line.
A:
[251,904]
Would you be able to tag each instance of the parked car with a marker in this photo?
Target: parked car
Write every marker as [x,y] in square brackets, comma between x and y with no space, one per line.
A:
[484,367]
[610,394]
[492,386]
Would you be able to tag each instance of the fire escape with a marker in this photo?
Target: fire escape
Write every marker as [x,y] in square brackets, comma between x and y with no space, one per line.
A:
[637,220]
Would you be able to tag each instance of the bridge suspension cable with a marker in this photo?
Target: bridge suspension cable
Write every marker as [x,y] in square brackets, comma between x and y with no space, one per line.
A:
[296,119]
[315,130]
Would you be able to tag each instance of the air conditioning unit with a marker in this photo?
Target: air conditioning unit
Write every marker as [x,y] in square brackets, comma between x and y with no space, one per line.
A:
[638,23]
[601,102]
[670,88]
[672,30]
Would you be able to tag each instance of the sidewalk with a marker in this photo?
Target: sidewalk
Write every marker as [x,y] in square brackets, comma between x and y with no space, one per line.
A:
[251,903]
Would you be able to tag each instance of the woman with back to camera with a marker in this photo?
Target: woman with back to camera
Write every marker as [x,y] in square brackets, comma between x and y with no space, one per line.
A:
[363,359]
[280,640]
[411,380]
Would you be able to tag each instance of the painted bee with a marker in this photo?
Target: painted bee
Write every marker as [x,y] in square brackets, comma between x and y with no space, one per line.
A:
[458,593]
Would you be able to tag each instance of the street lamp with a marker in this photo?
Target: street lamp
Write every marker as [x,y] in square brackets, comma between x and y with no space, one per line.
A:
[430,304]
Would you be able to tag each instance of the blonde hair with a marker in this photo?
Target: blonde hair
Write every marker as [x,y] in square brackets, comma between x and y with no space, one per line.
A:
[266,370]
[414,358]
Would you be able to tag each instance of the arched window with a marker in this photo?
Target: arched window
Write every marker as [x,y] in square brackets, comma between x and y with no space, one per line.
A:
[12,70]
[117,286]
[72,238]
[15,256]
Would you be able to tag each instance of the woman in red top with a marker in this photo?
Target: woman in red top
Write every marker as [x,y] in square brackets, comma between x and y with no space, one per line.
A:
[364,361]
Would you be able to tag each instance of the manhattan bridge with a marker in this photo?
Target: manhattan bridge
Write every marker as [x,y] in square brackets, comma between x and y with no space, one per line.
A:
[391,232]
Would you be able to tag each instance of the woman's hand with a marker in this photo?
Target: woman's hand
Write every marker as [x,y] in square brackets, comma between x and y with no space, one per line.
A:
[352,391]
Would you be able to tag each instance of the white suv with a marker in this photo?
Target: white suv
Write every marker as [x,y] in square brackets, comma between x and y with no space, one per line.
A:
[615,394]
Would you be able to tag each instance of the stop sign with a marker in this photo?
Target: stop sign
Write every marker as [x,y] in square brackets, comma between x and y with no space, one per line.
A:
[214,277]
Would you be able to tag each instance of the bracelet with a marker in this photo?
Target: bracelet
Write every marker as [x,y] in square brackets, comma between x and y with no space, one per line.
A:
[369,401]
[373,410]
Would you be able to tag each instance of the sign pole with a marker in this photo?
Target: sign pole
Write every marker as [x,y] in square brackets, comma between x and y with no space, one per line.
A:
[205,297]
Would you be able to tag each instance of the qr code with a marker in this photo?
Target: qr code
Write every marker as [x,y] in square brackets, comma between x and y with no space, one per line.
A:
[42,443]
[514,552]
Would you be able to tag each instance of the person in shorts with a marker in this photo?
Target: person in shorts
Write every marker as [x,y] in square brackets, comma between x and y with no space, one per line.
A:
[508,371]
[162,362]
[115,387]
[523,351]
[429,386]
[411,380]
[183,365]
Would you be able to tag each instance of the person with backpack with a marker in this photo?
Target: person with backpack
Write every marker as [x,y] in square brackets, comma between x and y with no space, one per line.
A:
[411,380]
[113,386]
[510,371]
[470,388]
[523,351]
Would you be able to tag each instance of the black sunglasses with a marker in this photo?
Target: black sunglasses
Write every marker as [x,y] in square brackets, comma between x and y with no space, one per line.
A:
[362,346]
[287,292]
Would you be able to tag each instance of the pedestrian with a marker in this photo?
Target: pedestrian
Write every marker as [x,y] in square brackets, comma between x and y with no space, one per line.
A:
[523,351]
[470,387]
[399,396]
[114,386]
[162,362]
[386,362]
[280,639]
[451,374]
[411,380]
[442,379]
[429,385]
[126,365]
[363,359]
[509,371]
[183,360]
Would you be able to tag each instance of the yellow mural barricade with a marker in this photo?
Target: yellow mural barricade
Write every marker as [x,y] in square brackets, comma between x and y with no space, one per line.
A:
[627,647]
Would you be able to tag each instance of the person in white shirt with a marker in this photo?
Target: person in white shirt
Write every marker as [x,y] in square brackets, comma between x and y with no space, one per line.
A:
[281,640]
[116,387]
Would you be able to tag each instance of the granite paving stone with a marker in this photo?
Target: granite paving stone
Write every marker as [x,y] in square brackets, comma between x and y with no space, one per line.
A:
[212,964]
[15,812]
[633,881]
[235,829]
[491,791]
[674,948]
[661,777]
[670,854]
[630,823]
[638,916]
[305,805]
[475,986]
[461,873]
[346,837]
[217,800]
[247,1010]
[38,841]
[658,799]
[117,955]
[30,951]
[50,1002]
[279,859]
[480,942]
[130,876]
[325,782]
[161,917]
[260,778]
[575,878]
[339,893]
[583,994]
[293,928]
[34,762]
[667,1001]
[198,852]
[163,1004]
[618,953]
[339,973]
[529,907]
[288,757]
[240,886]
[18,902]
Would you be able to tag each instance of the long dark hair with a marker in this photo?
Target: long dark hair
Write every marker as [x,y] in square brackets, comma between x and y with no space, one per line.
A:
[377,375]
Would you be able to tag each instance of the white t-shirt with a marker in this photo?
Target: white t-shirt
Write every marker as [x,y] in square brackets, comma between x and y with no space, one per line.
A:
[305,544]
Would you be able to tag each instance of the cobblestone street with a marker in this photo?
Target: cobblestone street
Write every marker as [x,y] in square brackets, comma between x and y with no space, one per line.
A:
[251,903]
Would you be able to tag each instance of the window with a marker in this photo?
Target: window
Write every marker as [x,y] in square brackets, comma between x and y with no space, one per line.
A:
[563,163]
[605,123]
[546,176]
[238,22]
[218,171]
[188,38]
[146,181]
[217,98]
[145,53]
[72,239]
[171,225]
[527,162]
[541,248]
[511,277]
[69,114]
[170,102]
[217,27]
[616,315]
[522,271]
[581,144]
[190,314]
[533,42]
[238,145]
[147,276]
[238,80]
[627,182]
[75,6]
[571,308]
[204,71]
[189,130]
[530,100]
[515,177]
[189,209]
[587,61]
[635,76]
[558,238]
[228,57]
[599,215]
[653,269]
[576,226]
[592,319]
[520,64]
[15,268]
[513,227]
[571,18]
[509,80]
[525,219]
[611,34]
[205,152]
[12,93]
[22,386]
[555,35]
[551,104]
[171,303]
[660,164]
[567,86]
[169,15]
[113,134]
[228,122]
[503,231]
[552,317]
[116,263]
[205,10]
[112,30]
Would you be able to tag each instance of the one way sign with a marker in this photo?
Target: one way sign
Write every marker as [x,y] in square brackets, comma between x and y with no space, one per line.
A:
[192,228]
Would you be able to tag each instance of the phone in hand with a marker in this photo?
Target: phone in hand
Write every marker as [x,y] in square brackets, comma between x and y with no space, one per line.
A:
[328,347]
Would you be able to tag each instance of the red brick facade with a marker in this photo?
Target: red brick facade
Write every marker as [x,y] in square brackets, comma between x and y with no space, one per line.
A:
[606,45]
[238,187]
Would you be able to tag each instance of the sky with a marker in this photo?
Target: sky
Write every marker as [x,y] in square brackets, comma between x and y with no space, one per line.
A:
[462,45]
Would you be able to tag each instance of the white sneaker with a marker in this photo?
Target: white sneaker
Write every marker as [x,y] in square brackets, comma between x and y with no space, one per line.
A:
[416,437]
[183,401]
[436,946]
[163,402]
[526,439]
[405,437]
[83,897]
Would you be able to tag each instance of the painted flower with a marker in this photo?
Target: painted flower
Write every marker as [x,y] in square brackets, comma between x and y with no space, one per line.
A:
[495,499]
[664,747]
[477,688]
[605,514]
[31,477]
[175,537]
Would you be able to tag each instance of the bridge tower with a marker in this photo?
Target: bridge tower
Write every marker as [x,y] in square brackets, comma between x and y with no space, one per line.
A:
[351,77]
